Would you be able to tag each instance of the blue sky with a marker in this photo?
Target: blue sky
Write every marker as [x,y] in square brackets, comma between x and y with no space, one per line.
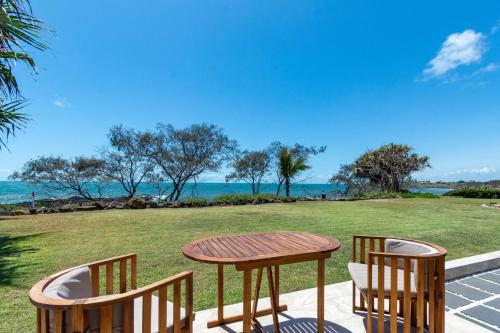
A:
[351,75]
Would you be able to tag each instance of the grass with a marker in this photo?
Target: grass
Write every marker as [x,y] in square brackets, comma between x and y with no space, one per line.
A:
[32,247]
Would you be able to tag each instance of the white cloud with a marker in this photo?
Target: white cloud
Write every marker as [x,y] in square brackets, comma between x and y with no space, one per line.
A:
[491,67]
[61,102]
[479,171]
[461,48]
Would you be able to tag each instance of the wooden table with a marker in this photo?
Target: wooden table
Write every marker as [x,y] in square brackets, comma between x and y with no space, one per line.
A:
[262,251]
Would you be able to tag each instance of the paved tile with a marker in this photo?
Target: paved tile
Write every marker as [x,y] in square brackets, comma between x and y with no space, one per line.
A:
[484,314]
[482,284]
[477,323]
[466,291]
[494,303]
[453,301]
[490,277]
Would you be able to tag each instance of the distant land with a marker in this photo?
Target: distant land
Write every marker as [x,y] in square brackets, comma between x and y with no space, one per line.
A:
[458,184]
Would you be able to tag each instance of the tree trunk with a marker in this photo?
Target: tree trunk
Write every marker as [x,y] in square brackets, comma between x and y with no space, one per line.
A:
[287,187]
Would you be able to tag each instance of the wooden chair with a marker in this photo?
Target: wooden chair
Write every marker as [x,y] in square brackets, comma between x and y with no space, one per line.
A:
[83,299]
[408,273]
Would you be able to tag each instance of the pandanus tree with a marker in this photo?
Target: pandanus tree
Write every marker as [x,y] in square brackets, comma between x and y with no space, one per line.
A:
[19,32]
[291,165]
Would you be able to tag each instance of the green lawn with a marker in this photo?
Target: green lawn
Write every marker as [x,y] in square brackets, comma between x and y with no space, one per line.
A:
[33,247]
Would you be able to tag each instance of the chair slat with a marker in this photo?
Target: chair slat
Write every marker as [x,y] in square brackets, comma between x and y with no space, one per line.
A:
[189,299]
[162,310]
[394,295]
[362,255]
[109,278]
[177,307]
[146,313]
[123,275]
[128,316]
[106,319]
[420,295]
[369,328]
[406,295]
[133,272]
[77,318]
[432,298]
[58,321]
[94,273]
[380,294]
[44,321]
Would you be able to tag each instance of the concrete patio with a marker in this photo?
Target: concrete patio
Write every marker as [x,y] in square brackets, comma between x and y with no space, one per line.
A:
[301,314]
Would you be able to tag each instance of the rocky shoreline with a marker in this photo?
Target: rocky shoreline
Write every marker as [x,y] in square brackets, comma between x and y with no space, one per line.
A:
[77,204]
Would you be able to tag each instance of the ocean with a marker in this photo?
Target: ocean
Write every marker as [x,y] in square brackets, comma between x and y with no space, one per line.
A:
[15,191]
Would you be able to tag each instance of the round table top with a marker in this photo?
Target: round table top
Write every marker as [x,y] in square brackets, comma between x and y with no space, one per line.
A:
[260,247]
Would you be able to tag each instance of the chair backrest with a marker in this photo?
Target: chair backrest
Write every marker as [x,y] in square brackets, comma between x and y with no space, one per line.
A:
[83,299]
[402,246]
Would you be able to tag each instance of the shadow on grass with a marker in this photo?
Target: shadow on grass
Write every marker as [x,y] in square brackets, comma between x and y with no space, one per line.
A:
[10,248]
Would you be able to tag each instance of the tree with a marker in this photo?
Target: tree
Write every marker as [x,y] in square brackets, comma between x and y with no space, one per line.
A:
[390,166]
[251,167]
[19,31]
[348,183]
[185,154]
[296,150]
[290,166]
[125,160]
[75,176]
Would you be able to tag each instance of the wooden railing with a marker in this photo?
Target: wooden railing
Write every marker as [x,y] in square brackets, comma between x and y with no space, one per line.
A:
[104,302]
[425,310]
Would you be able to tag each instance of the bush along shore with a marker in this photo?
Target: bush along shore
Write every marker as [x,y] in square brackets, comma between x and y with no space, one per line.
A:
[78,204]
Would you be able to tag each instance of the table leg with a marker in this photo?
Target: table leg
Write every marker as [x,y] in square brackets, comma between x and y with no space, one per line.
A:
[272,295]
[277,284]
[220,292]
[321,295]
[247,300]
[256,293]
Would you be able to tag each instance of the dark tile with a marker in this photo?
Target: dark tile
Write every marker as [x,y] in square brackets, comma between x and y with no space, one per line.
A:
[484,314]
[490,277]
[453,301]
[477,322]
[468,292]
[494,303]
[482,284]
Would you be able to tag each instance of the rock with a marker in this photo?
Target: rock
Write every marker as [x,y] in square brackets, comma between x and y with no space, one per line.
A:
[66,209]
[100,205]
[20,212]
[6,212]
[152,204]
[161,205]
[87,208]
[136,203]
[176,204]
[33,211]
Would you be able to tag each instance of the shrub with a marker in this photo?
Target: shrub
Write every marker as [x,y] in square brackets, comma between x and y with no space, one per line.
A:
[195,202]
[395,195]
[423,195]
[475,192]
[241,199]
[379,195]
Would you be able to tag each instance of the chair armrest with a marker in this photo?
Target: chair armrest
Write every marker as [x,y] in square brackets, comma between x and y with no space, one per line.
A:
[139,292]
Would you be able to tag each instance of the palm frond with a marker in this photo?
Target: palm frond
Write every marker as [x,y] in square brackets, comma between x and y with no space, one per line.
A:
[11,119]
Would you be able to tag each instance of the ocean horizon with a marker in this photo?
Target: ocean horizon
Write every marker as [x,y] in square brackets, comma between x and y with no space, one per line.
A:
[17,191]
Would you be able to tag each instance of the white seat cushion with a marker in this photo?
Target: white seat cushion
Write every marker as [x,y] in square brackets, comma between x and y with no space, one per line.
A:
[72,285]
[359,274]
